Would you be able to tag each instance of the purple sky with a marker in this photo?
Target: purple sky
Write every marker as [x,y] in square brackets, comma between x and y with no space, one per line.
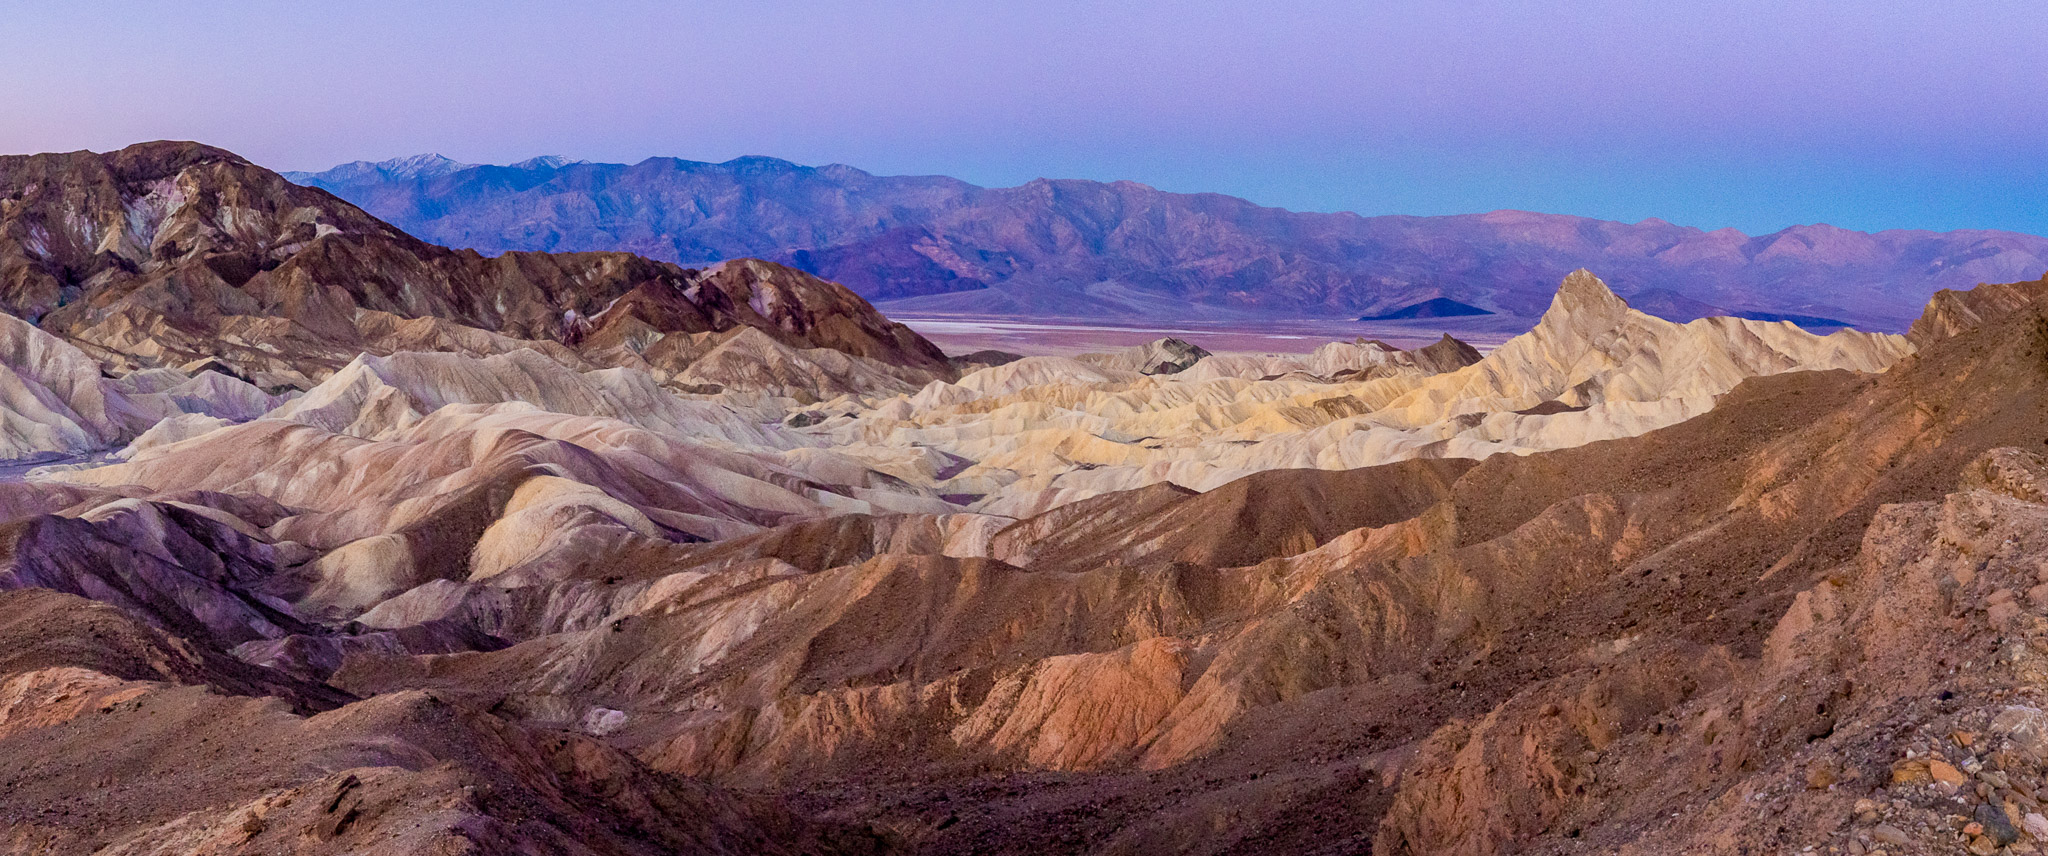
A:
[1757,115]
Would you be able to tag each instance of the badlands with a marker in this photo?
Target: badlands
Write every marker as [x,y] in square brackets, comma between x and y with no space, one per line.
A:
[341,542]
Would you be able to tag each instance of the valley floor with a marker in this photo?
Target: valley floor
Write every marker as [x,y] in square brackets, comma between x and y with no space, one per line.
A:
[1070,337]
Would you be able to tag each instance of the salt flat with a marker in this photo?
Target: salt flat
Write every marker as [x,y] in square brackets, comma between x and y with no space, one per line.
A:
[959,334]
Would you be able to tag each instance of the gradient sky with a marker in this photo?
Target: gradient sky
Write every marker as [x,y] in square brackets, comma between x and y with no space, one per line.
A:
[1757,115]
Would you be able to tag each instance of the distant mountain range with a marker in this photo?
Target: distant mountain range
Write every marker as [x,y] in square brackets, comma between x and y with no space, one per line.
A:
[1125,251]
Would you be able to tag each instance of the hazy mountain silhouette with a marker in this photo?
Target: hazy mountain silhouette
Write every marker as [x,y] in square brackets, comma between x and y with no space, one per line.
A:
[1071,248]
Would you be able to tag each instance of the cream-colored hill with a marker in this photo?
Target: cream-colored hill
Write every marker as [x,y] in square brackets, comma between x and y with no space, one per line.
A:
[1590,348]
[1041,371]
[382,397]
[391,450]
[1045,431]
[1160,356]
[55,401]
[1364,359]
[535,491]
[749,359]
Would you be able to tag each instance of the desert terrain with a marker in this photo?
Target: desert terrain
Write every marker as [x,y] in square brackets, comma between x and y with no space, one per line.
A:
[326,539]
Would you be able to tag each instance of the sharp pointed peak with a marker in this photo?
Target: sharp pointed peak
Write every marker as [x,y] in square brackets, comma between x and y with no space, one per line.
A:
[1582,293]
[408,167]
[1582,283]
[545,162]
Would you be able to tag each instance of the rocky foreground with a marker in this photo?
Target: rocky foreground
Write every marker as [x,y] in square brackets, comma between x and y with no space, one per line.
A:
[403,550]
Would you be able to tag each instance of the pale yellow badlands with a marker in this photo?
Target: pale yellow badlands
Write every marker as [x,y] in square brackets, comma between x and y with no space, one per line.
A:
[410,433]
[1046,431]
[54,401]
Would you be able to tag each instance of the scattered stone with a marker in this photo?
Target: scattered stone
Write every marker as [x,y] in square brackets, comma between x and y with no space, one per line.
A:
[2001,613]
[1821,775]
[2036,825]
[2026,727]
[1911,771]
[1945,773]
[1890,834]
[1995,825]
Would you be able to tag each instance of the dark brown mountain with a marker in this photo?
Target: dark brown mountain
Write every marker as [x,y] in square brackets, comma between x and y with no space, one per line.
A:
[166,254]
[1083,249]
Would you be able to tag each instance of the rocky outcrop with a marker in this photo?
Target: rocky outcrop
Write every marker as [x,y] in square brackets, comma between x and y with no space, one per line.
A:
[1161,356]
[1952,312]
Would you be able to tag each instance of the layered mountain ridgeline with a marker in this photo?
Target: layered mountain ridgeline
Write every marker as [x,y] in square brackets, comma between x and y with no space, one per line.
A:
[168,255]
[1083,249]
